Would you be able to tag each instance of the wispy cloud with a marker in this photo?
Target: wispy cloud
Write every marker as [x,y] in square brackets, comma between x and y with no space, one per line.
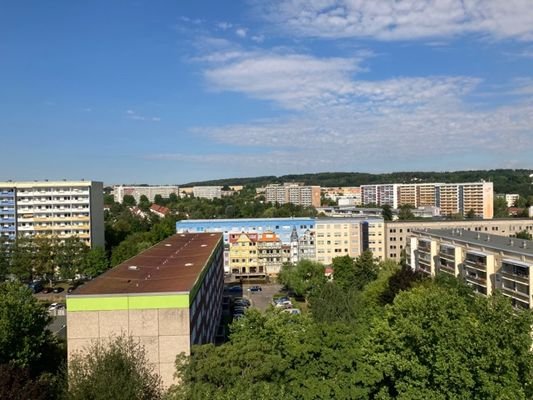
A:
[241,32]
[136,117]
[399,20]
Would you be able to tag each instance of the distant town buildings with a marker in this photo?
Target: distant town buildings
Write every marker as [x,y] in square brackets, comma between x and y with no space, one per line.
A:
[293,193]
[207,192]
[485,261]
[450,198]
[511,199]
[169,297]
[149,191]
[60,209]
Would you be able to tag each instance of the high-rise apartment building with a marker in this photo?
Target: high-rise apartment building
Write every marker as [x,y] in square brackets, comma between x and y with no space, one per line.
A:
[149,191]
[450,198]
[59,209]
[293,193]
[384,194]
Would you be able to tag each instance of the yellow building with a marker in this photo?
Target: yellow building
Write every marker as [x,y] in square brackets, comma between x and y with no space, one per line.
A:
[243,259]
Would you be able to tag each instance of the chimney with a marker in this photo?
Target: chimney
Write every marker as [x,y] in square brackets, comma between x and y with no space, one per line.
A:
[524,244]
[511,242]
[478,236]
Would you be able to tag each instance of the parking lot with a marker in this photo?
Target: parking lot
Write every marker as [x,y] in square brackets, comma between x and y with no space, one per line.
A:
[260,300]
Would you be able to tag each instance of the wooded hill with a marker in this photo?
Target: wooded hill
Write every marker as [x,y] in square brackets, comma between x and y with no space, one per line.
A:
[505,180]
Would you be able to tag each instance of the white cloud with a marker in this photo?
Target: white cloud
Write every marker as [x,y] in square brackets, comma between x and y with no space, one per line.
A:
[136,117]
[406,19]
[241,32]
[258,38]
[224,25]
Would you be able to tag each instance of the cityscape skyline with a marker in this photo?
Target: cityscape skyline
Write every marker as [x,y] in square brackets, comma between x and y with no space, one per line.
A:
[174,93]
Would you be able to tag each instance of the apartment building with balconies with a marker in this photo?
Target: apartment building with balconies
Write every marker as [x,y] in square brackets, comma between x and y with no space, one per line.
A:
[293,193]
[150,192]
[59,209]
[486,262]
[397,232]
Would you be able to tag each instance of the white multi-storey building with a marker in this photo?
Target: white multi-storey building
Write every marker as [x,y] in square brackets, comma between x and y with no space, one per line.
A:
[207,192]
[293,193]
[149,191]
[59,209]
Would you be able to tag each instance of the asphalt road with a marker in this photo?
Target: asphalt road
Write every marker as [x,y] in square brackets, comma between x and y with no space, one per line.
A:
[261,300]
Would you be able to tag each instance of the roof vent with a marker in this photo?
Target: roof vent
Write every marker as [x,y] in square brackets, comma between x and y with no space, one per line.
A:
[189,264]
[511,242]
[182,235]
[524,244]
[168,244]
[133,268]
[488,238]
[203,245]
[478,236]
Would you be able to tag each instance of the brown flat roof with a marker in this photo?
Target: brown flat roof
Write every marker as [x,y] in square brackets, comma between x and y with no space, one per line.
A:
[172,265]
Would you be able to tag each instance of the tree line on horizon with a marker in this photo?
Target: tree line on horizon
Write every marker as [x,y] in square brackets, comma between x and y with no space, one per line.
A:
[505,180]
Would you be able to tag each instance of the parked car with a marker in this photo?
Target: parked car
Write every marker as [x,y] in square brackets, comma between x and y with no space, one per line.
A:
[47,290]
[57,289]
[56,306]
[292,311]
[284,304]
[255,288]
[280,300]
[243,302]
[35,286]
[233,289]
[74,286]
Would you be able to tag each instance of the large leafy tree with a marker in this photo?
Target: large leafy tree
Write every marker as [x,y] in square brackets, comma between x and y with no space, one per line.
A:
[24,338]
[433,344]
[94,262]
[119,370]
[272,355]
[302,277]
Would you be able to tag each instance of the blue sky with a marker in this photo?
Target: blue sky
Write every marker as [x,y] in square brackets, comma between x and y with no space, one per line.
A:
[176,91]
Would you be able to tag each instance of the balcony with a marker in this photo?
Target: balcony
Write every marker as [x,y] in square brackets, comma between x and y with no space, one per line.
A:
[515,294]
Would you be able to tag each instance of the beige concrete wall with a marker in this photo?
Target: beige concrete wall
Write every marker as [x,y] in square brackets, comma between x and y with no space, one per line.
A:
[164,333]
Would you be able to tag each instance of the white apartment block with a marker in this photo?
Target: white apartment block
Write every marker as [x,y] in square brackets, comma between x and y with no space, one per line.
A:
[293,193]
[207,192]
[380,194]
[149,191]
[511,199]
[59,209]
[486,262]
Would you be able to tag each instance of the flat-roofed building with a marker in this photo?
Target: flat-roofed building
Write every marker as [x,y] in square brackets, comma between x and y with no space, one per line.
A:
[207,192]
[485,261]
[380,195]
[397,232]
[150,192]
[169,297]
[293,193]
[336,237]
[59,209]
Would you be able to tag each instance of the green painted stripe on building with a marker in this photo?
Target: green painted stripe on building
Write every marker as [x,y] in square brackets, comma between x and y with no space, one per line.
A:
[127,302]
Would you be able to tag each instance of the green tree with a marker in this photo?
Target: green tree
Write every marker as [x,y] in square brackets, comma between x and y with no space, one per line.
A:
[94,262]
[386,212]
[16,383]
[109,199]
[24,338]
[144,203]
[128,200]
[405,212]
[403,279]
[431,344]
[331,303]
[5,257]
[130,247]
[365,269]
[523,235]
[119,370]
[302,277]
[173,198]
[21,263]
[70,255]
[344,272]
[500,207]
[158,199]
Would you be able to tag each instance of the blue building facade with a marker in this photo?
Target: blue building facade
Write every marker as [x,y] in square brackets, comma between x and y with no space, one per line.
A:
[282,227]
[8,219]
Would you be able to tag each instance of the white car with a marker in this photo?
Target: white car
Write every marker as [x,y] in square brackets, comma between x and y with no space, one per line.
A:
[292,311]
[284,304]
